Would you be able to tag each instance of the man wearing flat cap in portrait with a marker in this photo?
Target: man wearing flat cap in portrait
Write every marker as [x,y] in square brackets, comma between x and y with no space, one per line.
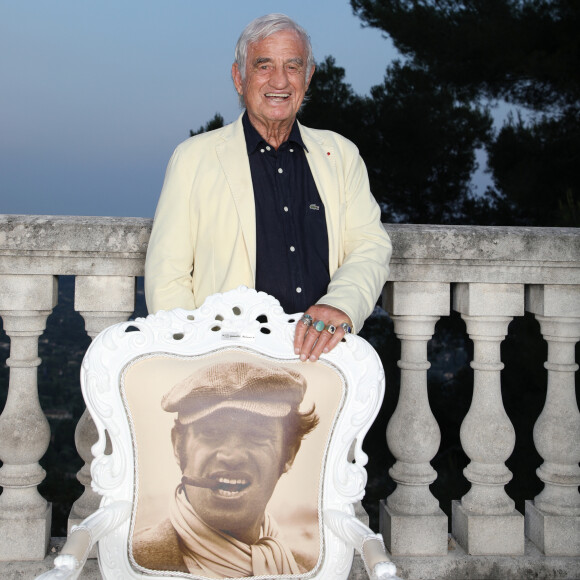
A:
[238,429]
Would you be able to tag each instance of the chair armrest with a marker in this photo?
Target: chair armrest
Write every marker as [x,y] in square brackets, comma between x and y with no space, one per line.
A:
[69,563]
[355,534]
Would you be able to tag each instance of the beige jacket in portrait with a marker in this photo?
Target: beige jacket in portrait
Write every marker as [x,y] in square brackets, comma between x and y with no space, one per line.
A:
[204,234]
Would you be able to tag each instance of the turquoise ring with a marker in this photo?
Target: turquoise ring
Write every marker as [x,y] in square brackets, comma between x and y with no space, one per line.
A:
[319,326]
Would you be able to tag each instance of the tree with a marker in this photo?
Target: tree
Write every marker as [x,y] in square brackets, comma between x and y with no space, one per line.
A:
[537,165]
[332,104]
[524,52]
[215,122]
[417,140]
[424,143]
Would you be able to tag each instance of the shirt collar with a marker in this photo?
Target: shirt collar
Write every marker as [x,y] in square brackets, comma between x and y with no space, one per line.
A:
[254,140]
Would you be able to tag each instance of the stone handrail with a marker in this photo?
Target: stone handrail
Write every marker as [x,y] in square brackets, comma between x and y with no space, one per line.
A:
[109,246]
[487,274]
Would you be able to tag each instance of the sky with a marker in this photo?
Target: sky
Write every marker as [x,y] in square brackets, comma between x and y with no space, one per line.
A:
[95,95]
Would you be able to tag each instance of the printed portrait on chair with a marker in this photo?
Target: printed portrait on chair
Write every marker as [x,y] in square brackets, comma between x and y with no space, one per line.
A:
[229,459]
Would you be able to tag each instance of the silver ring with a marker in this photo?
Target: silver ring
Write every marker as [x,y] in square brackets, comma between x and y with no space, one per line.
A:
[306,319]
[347,329]
[331,328]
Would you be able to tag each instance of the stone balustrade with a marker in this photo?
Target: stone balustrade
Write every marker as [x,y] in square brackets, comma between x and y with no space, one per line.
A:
[489,275]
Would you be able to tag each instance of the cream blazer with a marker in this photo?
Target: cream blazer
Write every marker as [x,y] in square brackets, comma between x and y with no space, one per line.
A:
[204,233]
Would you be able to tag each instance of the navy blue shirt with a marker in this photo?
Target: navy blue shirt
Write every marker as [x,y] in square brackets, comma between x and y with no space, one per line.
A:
[291,233]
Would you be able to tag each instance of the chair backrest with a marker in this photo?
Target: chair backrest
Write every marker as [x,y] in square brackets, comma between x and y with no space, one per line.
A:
[229,448]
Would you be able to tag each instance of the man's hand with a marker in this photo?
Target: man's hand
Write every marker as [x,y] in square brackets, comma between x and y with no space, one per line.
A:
[309,342]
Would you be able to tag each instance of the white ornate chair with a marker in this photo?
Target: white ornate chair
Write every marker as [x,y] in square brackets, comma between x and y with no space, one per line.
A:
[130,366]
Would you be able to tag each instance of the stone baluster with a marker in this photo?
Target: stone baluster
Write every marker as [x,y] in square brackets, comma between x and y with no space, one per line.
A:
[412,523]
[25,516]
[101,301]
[485,521]
[553,517]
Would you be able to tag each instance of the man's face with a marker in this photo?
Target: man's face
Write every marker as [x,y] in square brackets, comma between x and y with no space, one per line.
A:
[243,453]
[275,82]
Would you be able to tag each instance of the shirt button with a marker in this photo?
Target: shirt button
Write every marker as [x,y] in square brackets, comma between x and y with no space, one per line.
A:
[292,249]
[261,150]
[268,147]
[291,150]
[285,208]
[298,290]
[280,170]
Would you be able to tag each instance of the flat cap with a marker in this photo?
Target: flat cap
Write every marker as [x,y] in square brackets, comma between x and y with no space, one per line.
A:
[261,388]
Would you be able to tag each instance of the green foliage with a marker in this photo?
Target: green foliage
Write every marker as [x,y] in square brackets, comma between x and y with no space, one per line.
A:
[570,210]
[215,122]
[422,169]
[536,166]
[417,140]
[523,52]
[333,105]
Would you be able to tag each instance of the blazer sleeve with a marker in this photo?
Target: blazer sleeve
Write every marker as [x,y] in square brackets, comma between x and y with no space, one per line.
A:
[169,261]
[366,248]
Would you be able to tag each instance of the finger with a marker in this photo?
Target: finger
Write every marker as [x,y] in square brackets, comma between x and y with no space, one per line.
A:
[311,337]
[322,341]
[335,339]
[301,330]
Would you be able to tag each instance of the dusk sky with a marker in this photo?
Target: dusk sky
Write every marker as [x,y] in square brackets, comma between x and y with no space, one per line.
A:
[95,96]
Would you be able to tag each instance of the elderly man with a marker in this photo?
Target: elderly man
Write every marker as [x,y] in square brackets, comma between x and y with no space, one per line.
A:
[238,429]
[270,204]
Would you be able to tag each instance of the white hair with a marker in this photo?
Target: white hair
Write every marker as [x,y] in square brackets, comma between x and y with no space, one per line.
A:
[263,27]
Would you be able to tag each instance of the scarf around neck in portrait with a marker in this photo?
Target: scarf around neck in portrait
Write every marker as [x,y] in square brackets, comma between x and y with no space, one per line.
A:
[219,554]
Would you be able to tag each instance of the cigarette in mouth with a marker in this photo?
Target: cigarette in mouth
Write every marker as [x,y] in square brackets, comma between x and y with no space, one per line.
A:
[199,481]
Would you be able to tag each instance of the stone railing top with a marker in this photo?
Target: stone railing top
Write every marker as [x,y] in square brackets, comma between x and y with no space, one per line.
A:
[60,233]
[73,245]
[79,245]
[490,243]
[485,254]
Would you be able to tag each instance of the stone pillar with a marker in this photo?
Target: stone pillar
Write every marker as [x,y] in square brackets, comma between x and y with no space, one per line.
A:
[412,523]
[101,301]
[25,516]
[485,521]
[553,517]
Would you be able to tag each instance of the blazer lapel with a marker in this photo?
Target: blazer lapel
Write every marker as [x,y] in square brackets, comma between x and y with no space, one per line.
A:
[322,160]
[234,161]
